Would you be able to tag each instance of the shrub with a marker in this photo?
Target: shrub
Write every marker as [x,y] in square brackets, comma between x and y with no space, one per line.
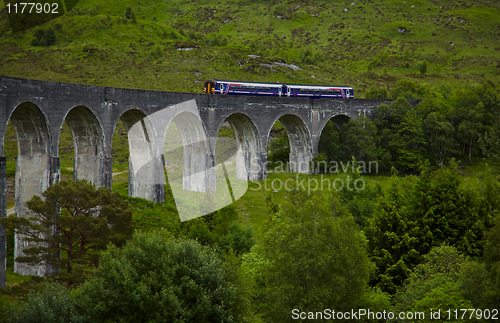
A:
[422,67]
[130,14]
[44,37]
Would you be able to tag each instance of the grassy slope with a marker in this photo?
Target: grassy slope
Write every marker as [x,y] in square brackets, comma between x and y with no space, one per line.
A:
[97,45]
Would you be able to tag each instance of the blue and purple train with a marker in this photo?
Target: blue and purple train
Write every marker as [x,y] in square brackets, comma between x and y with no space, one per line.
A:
[275,89]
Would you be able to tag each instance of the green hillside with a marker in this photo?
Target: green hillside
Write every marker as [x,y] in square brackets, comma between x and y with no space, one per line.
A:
[178,44]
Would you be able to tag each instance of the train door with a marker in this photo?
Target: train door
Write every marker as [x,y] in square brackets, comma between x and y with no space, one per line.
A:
[288,91]
[209,87]
[347,93]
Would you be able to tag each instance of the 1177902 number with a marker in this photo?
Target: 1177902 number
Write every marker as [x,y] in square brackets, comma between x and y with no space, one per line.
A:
[32,7]
[470,314]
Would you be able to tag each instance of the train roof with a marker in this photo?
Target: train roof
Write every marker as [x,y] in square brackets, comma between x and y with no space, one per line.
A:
[315,86]
[307,86]
[250,83]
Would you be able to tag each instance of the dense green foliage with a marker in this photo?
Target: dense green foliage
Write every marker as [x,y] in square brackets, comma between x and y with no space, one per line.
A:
[311,257]
[461,123]
[155,279]
[435,283]
[481,280]
[432,211]
[53,304]
[152,279]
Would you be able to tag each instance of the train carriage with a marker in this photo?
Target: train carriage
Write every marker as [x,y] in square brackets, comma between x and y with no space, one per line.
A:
[242,88]
[319,91]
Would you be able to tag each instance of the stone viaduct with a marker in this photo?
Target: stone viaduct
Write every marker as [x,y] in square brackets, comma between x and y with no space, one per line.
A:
[38,109]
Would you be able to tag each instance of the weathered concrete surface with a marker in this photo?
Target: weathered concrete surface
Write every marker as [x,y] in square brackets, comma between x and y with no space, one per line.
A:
[38,110]
[3,212]
[88,141]
[248,160]
[33,170]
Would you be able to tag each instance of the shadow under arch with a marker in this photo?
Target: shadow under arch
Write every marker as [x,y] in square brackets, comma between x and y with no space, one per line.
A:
[141,141]
[299,139]
[330,138]
[196,156]
[249,146]
[88,142]
[34,172]
[338,120]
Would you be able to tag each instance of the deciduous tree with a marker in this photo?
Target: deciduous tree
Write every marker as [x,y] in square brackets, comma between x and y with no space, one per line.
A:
[313,256]
[156,278]
[434,284]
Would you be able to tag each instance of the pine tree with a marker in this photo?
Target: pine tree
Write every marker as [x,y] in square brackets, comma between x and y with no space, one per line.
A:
[72,222]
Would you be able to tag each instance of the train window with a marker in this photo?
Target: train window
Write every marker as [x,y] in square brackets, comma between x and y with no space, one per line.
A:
[267,89]
[317,91]
[337,91]
[260,89]
[330,91]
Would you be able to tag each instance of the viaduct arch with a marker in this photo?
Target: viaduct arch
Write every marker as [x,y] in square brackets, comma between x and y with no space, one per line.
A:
[38,110]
